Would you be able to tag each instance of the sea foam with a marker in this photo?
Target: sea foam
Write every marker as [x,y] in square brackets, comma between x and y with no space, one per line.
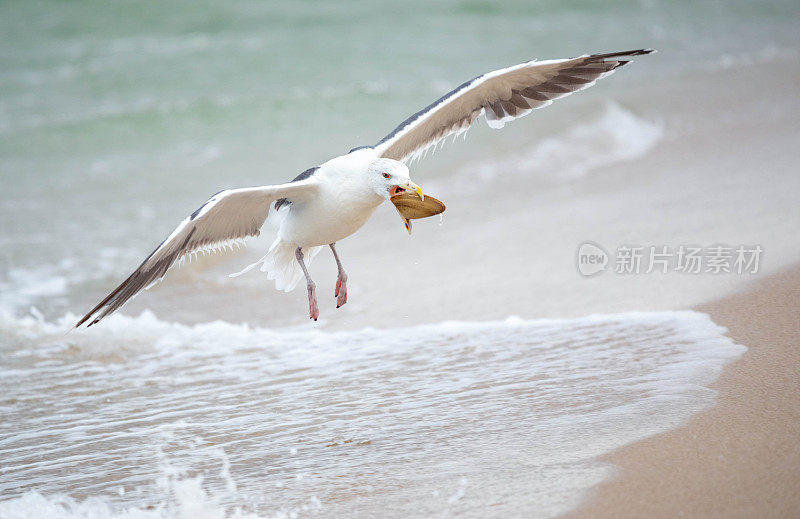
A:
[615,135]
[425,420]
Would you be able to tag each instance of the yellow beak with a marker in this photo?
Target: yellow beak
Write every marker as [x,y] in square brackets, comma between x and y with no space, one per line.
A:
[413,186]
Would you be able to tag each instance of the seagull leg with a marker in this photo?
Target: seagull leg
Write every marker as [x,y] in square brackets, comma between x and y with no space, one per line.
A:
[313,309]
[341,281]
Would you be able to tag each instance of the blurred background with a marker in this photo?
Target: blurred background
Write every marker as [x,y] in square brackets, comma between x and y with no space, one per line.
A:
[120,118]
[117,119]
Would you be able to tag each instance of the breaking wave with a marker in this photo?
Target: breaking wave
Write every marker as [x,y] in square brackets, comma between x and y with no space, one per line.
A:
[616,135]
[298,422]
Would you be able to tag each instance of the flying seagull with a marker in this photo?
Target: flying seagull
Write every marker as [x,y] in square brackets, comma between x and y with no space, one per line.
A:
[330,202]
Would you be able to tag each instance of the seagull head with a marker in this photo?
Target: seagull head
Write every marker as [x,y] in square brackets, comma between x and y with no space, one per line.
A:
[390,177]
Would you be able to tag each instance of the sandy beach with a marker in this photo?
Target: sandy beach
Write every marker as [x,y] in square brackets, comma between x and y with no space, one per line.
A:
[741,458]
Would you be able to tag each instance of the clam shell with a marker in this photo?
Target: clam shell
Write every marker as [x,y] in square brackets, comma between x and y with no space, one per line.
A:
[411,206]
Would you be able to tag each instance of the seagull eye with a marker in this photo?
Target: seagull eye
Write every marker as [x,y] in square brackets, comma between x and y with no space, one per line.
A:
[386,175]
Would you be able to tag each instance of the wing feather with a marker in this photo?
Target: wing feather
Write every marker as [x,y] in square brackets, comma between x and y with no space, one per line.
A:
[500,96]
[227,217]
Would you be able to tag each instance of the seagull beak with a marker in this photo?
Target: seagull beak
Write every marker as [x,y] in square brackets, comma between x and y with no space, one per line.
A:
[413,187]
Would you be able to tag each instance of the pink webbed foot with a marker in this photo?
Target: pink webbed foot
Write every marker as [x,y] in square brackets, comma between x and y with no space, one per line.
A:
[341,290]
[313,309]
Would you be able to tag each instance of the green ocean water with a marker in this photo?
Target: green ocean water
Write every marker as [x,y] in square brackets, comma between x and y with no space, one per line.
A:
[116,118]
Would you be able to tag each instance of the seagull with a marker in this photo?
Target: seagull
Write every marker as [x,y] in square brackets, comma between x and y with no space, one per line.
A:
[329,202]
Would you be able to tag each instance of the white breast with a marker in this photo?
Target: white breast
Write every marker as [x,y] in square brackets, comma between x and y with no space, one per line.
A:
[345,203]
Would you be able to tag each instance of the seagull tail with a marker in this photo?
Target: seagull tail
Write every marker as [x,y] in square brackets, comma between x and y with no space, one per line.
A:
[281,264]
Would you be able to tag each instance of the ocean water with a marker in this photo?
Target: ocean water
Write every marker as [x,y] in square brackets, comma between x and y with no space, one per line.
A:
[428,420]
[463,377]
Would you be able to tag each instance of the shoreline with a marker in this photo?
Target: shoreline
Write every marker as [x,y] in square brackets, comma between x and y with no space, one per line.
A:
[740,458]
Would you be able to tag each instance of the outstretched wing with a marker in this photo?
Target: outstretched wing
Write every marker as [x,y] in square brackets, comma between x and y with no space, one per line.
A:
[227,217]
[501,96]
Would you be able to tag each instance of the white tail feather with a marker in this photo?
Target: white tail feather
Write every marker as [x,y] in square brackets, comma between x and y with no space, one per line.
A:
[281,264]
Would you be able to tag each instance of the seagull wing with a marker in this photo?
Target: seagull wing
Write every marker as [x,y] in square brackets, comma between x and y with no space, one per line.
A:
[501,96]
[227,217]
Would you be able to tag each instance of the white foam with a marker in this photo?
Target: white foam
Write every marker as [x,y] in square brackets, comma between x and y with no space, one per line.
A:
[190,501]
[24,285]
[617,135]
[232,403]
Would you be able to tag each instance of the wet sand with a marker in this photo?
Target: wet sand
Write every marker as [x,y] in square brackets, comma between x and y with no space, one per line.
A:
[742,457]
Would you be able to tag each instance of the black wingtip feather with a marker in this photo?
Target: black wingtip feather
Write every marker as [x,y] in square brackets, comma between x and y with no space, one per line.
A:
[637,52]
[128,288]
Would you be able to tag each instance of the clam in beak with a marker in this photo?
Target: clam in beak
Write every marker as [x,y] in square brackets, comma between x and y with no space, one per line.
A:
[409,186]
[411,204]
